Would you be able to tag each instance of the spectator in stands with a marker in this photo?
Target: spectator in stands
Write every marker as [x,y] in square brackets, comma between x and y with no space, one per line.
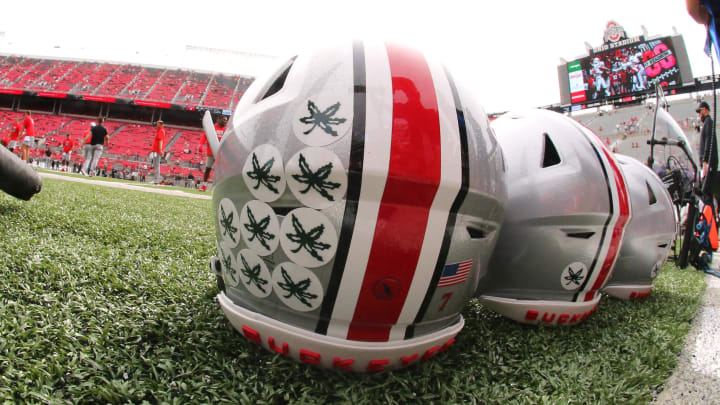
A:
[98,138]
[157,150]
[68,146]
[14,134]
[29,140]
[220,129]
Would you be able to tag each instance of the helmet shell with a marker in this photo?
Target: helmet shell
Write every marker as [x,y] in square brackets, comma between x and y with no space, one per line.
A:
[649,234]
[565,219]
[366,190]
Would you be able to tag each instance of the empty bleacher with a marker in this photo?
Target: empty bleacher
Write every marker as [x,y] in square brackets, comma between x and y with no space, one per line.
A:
[220,92]
[122,77]
[191,89]
[631,140]
[168,85]
[191,93]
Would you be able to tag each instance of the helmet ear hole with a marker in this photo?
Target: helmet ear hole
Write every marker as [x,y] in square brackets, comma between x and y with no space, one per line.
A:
[550,155]
[476,233]
[279,82]
[651,196]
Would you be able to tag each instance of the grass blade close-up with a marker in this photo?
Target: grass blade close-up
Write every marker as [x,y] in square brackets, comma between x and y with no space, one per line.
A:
[106,297]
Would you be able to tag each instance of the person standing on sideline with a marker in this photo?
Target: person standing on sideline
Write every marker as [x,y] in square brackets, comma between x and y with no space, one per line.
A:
[158,147]
[98,137]
[709,154]
[29,140]
[14,134]
[68,146]
[220,129]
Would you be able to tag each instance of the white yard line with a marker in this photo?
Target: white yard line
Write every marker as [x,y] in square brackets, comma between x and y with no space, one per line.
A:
[157,190]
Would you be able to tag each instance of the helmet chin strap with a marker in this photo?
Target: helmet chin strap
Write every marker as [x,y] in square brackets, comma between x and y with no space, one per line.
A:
[210,133]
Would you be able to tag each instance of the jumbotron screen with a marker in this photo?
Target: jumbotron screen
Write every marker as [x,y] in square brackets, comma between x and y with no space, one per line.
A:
[624,71]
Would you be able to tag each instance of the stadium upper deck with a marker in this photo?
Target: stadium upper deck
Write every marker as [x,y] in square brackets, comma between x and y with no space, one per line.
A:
[99,81]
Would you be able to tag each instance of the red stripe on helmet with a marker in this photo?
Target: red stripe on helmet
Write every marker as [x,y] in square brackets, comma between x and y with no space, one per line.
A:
[618,229]
[413,180]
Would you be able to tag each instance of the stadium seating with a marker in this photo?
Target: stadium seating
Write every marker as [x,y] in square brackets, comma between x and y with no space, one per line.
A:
[141,85]
[16,71]
[220,92]
[186,148]
[74,76]
[168,85]
[49,79]
[121,78]
[191,89]
[95,78]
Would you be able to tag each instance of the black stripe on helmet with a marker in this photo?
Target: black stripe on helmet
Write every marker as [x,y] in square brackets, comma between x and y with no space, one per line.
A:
[355,168]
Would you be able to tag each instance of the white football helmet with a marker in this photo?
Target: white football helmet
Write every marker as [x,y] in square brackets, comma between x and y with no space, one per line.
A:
[649,234]
[359,192]
[565,218]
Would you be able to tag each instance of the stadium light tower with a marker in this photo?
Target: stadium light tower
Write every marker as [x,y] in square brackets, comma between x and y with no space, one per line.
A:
[644,31]
[588,47]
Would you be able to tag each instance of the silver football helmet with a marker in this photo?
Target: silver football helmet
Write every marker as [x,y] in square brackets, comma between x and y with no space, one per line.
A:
[359,192]
[564,222]
[649,234]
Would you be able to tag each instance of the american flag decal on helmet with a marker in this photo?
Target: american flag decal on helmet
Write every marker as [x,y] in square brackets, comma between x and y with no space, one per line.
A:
[455,273]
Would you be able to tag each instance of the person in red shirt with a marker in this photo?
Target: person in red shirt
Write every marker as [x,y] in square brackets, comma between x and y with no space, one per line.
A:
[158,147]
[29,140]
[68,146]
[220,129]
[14,134]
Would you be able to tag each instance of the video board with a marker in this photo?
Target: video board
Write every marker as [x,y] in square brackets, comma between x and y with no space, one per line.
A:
[629,69]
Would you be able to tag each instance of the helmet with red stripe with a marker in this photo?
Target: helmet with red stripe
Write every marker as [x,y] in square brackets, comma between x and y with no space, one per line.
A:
[359,191]
[564,220]
[649,234]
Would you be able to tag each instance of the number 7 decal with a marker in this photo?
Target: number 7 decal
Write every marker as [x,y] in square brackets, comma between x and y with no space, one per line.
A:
[446,298]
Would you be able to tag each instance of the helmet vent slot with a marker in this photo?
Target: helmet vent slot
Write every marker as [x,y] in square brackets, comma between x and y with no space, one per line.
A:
[278,84]
[651,196]
[476,233]
[283,211]
[550,155]
[580,235]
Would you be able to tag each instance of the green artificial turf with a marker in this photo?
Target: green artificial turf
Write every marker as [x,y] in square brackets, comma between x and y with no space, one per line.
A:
[106,297]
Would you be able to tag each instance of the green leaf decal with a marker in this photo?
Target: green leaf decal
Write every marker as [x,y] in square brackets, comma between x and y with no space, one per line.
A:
[298,290]
[253,274]
[322,119]
[316,180]
[307,240]
[262,174]
[257,229]
[573,277]
[226,223]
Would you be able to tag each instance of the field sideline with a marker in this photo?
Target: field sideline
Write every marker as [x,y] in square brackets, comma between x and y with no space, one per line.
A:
[106,296]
